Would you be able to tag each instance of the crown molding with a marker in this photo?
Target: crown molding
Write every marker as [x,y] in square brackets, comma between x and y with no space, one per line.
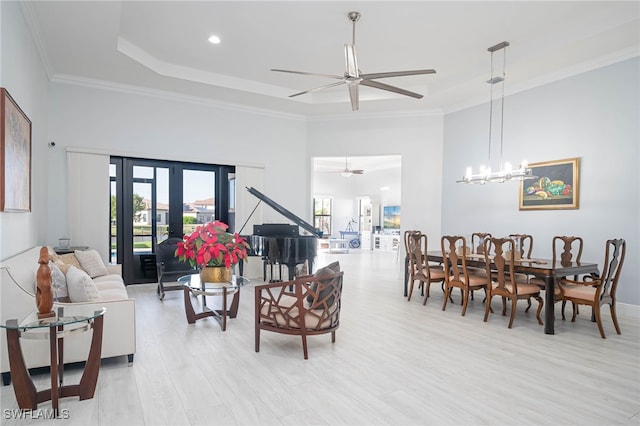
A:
[351,116]
[32,23]
[167,95]
[601,62]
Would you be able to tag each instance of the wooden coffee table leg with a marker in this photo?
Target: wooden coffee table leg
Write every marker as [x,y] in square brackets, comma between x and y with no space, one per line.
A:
[188,307]
[235,302]
[224,309]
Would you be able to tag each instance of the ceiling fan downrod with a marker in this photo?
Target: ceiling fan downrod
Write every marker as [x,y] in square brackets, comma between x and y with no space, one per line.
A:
[354,17]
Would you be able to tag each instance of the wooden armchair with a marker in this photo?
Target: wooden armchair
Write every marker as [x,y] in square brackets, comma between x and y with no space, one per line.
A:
[597,291]
[306,306]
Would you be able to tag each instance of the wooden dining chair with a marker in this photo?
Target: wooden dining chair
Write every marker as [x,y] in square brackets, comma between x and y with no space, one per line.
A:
[524,244]
[499,255]
[407,273]
[565,249]
[456,273]
[477,241]
[597,291]
[420,269]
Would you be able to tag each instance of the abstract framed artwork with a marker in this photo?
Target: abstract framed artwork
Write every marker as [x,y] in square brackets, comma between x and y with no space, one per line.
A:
[556,186]
[391,217]
[15,156]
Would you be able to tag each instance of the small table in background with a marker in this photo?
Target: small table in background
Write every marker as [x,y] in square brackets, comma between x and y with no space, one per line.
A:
[193,285]
[66,250]
[76,319]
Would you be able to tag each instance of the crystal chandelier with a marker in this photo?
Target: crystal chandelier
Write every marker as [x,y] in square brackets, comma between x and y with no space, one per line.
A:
[506,171]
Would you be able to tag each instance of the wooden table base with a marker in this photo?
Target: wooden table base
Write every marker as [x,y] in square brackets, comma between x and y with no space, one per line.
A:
[219,315]
[26,394]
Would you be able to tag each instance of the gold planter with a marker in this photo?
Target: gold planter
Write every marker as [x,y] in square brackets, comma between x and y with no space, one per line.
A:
[215,274]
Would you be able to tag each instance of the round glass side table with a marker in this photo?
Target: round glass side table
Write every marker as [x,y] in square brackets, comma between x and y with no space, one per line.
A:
[63,323]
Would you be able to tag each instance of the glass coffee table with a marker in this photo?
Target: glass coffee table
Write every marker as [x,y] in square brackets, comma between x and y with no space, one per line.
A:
[192,285]
[65,322]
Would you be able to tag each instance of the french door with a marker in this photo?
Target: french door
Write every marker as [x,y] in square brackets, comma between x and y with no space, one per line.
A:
[152,200]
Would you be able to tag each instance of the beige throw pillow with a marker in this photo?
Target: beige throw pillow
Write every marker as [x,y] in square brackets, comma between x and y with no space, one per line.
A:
[66,259]
[91,262]
[81,287]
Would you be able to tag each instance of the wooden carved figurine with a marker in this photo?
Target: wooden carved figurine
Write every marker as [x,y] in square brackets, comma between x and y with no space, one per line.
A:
[44,294]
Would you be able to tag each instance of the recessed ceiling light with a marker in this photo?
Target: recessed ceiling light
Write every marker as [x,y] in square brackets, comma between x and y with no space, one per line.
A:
[214,39]
[384,188]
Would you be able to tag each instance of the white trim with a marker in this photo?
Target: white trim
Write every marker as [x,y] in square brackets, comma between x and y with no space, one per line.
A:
[166,95]
[596,63]
[154,156]
[32,23]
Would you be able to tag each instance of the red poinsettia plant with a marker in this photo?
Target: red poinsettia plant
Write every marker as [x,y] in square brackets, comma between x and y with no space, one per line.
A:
[211,245]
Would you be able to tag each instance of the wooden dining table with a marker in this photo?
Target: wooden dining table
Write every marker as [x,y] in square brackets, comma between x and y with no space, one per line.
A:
[545,269]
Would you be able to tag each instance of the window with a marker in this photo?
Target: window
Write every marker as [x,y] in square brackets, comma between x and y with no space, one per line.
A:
[322,215]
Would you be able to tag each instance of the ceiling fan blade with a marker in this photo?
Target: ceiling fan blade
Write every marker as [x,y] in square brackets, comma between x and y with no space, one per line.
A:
[357,172]
[389,88]
[351,61]
[372,76]
[339,77]
[354,96]
[327,86]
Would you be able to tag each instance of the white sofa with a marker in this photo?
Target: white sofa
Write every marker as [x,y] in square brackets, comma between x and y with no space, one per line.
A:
[17,286]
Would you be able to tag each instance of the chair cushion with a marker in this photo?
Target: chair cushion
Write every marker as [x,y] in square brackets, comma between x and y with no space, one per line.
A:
[578,291]
[286,314]
[523,289]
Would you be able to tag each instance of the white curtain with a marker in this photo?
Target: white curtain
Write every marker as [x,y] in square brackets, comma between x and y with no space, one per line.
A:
[88,198]
[245,203]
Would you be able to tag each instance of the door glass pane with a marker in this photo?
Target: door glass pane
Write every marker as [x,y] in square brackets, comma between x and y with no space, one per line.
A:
[113,216]
[142,219]
[162,204]
[198,198]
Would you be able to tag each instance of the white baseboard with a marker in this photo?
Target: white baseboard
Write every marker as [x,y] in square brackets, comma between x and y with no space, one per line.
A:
[627,310]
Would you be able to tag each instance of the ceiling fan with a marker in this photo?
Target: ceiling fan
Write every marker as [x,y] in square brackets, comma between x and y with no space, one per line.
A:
[353,77]
[347,172]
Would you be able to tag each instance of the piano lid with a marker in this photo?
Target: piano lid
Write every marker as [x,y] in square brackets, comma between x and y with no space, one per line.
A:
[284,212]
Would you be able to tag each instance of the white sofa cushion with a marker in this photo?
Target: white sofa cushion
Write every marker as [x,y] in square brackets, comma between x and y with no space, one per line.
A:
[110,287]
[91,262]
[81,287]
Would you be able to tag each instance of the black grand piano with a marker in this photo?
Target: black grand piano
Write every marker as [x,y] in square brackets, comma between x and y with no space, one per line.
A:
[281,243]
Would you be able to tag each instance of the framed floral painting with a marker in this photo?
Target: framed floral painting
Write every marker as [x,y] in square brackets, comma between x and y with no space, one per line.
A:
[556,186]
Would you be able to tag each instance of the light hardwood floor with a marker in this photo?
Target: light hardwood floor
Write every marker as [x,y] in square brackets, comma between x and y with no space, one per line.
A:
[394,362]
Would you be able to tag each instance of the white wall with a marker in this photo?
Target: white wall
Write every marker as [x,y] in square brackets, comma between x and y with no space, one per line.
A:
[172,128]
[24,77]
[417,138]
[344,193]
[594,116]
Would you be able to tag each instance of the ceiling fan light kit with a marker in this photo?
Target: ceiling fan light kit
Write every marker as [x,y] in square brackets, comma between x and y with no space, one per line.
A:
[506,171]
[353,77]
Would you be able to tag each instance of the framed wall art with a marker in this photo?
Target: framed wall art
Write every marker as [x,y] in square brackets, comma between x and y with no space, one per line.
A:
[556,186]
[15,156]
